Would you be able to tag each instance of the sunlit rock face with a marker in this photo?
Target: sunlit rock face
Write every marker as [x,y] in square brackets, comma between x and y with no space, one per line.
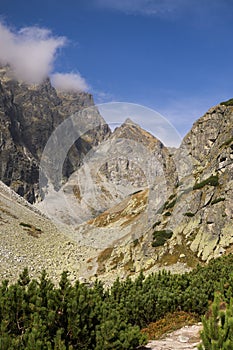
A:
[123,190]
[196,219]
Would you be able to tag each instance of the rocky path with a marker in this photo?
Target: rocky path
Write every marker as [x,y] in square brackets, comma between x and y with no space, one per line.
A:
[185,338]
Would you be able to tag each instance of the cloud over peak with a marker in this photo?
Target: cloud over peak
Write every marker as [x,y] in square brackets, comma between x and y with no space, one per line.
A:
[31,54]
[69,82]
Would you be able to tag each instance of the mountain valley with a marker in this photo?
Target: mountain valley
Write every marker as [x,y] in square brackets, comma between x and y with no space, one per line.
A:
[147,207]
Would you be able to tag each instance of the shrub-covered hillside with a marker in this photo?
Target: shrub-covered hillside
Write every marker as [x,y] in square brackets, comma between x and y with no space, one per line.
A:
[36,315]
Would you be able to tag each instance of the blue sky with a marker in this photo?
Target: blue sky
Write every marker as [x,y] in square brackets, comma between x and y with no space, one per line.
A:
[174,56]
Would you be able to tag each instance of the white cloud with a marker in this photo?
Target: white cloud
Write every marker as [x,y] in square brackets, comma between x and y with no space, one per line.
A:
[30,52]
[69,82]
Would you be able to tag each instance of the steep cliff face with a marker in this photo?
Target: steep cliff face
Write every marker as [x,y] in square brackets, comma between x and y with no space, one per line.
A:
[138,158]
[28,116]
[124,192]
[195,222]
[203,216]
[129,161]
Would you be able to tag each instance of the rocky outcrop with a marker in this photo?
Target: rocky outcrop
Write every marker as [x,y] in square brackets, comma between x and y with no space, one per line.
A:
[131,160]
[149,206]
[185,338]
[201,218]
[195,221]
[28,116]
[206,226]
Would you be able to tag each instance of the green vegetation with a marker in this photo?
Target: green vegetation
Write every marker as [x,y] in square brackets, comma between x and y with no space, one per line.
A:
[168,204]
[171,204]
[160,210]
[25,225]
[217,200]
[227,142]
[136,192]
[160,237]
[157,223]
[211,181]
[227,103]
[218,328]
[36,315]
[172,196]
[189,214]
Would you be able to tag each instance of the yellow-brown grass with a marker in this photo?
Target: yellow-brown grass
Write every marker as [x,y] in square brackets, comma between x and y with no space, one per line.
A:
[170,323]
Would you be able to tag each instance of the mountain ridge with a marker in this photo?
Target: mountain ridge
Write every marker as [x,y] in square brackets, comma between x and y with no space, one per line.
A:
[28,116]
[198,213]
[152,207]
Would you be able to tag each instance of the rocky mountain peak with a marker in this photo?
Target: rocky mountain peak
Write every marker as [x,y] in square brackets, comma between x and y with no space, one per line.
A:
[28,116]
[209,132]
[131,122]
[112,178]
[195,220]
[5,72]
[132,131]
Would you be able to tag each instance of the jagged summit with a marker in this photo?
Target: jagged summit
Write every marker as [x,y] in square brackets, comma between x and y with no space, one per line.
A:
[131,130]
[189,189]
[129,160]
[28,116]
[195,221]
[130,122]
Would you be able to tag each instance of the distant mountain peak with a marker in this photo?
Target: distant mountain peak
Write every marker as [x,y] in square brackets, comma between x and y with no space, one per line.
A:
[130,121]
[131,130]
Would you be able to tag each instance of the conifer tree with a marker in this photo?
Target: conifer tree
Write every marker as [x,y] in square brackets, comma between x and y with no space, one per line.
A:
[59,344]
[217,331]
[24,278]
